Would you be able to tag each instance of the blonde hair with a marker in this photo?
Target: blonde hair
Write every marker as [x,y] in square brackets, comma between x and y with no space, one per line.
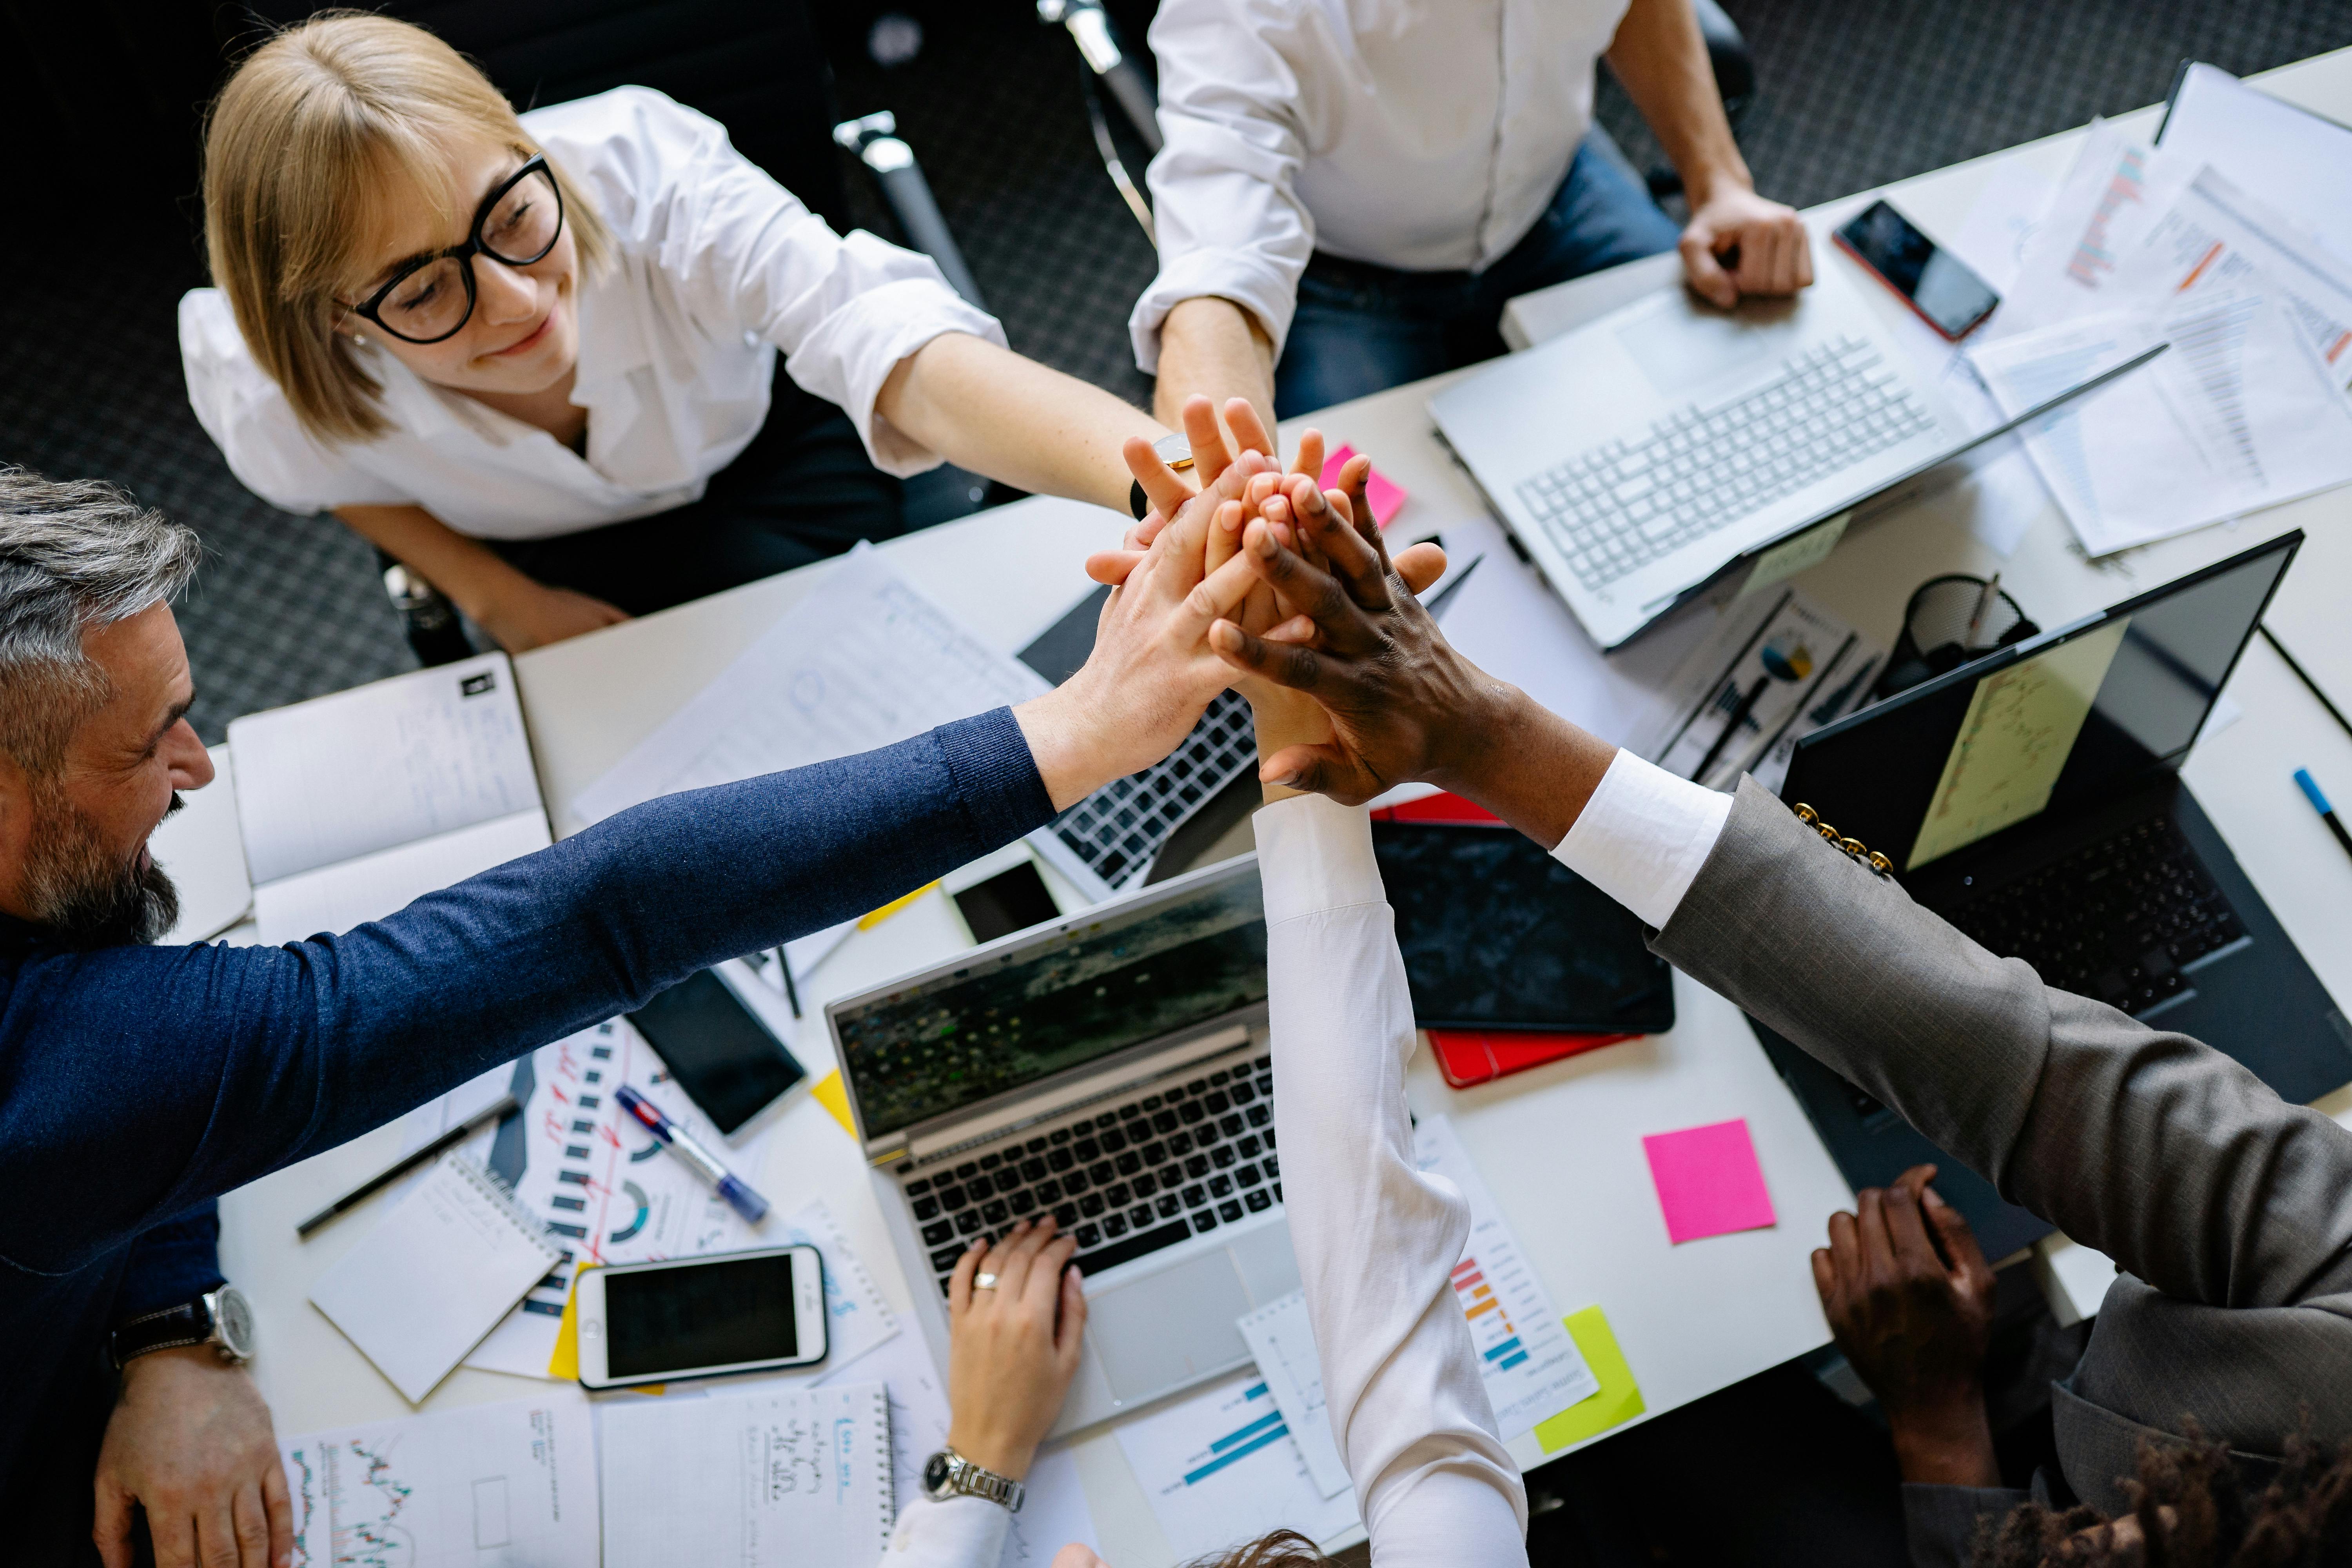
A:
[310,127]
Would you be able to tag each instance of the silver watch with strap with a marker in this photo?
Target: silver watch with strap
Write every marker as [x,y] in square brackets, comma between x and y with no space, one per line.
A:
[1175,449]
[947,1474]
[220,1319]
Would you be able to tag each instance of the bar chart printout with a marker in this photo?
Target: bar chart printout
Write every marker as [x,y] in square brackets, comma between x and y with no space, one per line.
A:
[513,1484]
[1220,1467]
[1532,1368]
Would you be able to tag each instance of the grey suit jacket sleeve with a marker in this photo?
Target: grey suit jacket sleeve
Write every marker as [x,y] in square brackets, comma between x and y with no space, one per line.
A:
[2160,1151]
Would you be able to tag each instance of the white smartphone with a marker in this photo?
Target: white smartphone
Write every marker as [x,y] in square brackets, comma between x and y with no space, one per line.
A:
[699,1317]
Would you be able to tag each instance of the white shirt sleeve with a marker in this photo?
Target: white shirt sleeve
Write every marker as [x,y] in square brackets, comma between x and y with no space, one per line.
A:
[1644,835]
[248,418]
[1224,204]
[1376,1239]
[745,255]
[953,1532]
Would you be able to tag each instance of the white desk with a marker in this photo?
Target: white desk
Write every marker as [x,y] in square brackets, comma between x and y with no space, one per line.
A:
[1559,1145]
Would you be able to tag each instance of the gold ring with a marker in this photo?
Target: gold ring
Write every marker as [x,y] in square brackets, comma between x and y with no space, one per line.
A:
[984,1282]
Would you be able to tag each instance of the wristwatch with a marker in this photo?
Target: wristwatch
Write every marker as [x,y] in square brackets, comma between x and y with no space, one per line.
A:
[218,1318]
[947,1474]
[1175,449]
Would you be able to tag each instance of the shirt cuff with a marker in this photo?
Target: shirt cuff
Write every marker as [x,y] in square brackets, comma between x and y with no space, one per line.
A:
[1315,854]
[1644,835]
[853,351]
[949,1532]
[1267,289]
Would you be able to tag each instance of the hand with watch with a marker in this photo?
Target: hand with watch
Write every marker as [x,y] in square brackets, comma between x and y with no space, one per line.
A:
[190,1442]
[1016,1315]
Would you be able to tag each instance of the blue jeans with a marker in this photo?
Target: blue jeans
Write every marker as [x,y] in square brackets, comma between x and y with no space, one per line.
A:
[1361,328]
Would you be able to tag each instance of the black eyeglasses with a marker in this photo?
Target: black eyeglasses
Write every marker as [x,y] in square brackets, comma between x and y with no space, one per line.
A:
[432,299]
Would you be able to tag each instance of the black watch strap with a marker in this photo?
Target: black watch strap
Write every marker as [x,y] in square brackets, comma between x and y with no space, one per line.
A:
[189,1324]
[1136,501]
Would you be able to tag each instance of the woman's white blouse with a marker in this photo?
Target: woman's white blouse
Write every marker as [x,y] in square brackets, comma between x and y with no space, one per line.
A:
[717,269]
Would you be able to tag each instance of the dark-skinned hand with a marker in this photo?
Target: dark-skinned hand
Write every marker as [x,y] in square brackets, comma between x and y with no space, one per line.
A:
[1909,1297]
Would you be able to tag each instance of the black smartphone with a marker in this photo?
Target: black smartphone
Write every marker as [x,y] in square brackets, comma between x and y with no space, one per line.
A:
[727,1062]
[1945,291]
[1496,934]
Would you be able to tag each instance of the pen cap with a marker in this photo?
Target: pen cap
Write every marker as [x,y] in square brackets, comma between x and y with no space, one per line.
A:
[2311,788]
[742,1199]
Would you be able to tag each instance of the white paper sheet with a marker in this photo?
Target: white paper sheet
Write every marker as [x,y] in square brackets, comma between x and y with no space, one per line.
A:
[862,662]
[1282,1341]
[1220,1469]
[2115,191]
[2288,157]
[1532,1368]
[1803,666]
[513,1484]
[403,759]
[200,849]
[774,1478]
[1055,1512]
[350,893]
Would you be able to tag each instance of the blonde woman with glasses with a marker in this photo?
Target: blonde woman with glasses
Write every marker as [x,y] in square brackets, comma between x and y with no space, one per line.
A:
[532,357]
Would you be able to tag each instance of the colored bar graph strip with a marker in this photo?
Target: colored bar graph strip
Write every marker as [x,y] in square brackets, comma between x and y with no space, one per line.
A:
[1251,1430]
[1488,1305]
[1461,1283]
[1515,1361]
[1505,1348]
[1252,1447]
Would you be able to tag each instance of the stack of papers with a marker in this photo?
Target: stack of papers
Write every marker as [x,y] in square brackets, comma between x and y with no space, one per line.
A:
[2180,243]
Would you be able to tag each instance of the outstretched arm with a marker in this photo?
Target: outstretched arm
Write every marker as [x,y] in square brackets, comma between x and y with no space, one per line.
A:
[2067,1106]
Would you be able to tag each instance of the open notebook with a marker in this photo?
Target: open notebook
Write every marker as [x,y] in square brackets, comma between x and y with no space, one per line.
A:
[355,804]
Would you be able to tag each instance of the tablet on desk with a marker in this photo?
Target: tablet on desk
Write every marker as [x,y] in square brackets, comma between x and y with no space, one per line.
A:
[1496,934]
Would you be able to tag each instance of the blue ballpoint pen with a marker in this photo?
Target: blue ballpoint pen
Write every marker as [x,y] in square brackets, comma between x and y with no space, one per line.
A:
[2326,812]
[680,1143]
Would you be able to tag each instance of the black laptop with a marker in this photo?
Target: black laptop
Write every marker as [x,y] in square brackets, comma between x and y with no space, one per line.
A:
[2033,798]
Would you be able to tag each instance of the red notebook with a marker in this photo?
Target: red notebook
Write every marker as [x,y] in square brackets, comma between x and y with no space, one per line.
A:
[1468,1057]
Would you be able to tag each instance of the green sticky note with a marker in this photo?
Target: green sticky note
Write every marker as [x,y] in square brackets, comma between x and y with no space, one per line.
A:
[1619,1399]
[1791,556]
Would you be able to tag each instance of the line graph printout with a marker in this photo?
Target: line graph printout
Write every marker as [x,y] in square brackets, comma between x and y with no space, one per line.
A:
[513,1484]
[1282,1341]
[2020,729]
[864,661]
[1533,1371]
[1220,1469]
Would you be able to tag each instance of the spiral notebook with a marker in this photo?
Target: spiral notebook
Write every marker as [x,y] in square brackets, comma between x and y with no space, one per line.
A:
[436,1275]
[796,1476]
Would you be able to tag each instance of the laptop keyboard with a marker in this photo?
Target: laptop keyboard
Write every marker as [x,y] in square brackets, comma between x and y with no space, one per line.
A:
[1172,1163]
[2116,921]
[1616,508]
[1121,828]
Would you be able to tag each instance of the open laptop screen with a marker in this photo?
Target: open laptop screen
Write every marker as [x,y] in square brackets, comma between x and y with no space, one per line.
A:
[2076,716]
[1131,974]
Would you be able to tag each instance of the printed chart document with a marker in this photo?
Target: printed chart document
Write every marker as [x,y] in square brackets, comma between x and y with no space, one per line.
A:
[2283,154]
[2013,743]
[780,1478]
[1282,1341]
[864,661]
[1220,1469]
[1777,667]
[353,805]
[1053,1513]
[511,1484]
[437,1274]
[1532,1368]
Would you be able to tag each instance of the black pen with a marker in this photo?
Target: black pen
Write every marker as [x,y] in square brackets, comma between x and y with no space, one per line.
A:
[2326,812]
[405,1163]
[1436,606]
[1731,727]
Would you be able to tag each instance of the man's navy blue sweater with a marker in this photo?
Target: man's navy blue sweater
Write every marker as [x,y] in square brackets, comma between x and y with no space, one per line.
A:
[139,1083]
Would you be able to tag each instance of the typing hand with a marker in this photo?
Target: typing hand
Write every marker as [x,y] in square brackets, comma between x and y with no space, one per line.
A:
[190,1441]
[1014,1348]
[535,615]
[1401,704]
[1909,1299]
[1773,255]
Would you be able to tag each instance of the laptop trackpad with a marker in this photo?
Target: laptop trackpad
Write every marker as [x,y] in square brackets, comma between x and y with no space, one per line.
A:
[1170,1327]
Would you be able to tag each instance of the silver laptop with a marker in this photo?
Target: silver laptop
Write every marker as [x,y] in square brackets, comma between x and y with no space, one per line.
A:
[1642,456]
[1112,1070]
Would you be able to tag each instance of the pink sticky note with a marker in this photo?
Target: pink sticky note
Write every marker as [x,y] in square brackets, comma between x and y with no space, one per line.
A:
[1708,1182]
[1384,494]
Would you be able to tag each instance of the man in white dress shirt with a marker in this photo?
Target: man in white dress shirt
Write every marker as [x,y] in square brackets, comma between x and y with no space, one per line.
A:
[1351,189]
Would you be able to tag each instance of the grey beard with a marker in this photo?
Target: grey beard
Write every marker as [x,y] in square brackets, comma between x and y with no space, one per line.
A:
[83,896]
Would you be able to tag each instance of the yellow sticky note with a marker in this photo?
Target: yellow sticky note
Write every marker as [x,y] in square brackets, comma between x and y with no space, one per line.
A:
[868,921]
[1619,1399]
[565,1362]
[833,1095]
